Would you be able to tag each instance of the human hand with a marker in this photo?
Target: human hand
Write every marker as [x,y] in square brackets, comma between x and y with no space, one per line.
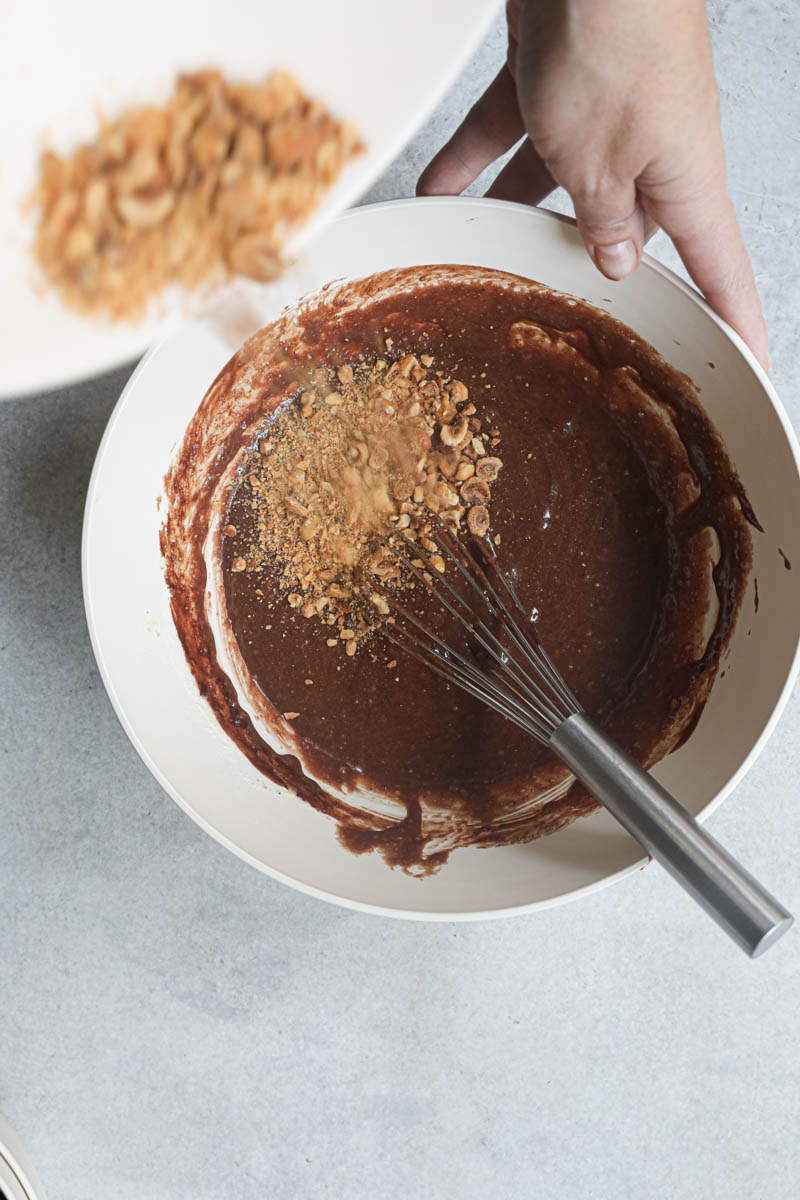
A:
[619,103]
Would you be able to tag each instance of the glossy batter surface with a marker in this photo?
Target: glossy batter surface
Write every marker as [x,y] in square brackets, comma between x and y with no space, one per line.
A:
[617,514]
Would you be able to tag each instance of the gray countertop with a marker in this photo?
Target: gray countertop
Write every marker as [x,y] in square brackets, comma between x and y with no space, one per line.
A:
[174,1024]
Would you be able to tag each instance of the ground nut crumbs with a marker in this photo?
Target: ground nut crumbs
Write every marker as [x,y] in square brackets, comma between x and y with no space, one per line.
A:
[334,488]
[206,187]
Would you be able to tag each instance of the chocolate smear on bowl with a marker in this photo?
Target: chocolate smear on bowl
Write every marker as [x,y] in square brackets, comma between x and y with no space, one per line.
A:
[504,408]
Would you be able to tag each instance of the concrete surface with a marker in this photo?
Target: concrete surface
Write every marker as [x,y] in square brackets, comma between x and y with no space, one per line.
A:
[176,1026]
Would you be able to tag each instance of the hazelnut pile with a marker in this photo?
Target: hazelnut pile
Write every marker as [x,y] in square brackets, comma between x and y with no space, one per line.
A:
[203,188]
[360,456]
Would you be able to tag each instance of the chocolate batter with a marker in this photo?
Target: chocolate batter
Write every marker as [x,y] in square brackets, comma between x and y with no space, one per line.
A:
[617,513]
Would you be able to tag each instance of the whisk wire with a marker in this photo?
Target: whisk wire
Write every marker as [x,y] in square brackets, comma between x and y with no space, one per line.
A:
[517,686]
[465,678]
[536,655]
[517,679]
[544,661]
[451,664]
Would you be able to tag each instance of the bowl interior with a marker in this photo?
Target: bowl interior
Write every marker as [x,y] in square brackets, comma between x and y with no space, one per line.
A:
[143,665]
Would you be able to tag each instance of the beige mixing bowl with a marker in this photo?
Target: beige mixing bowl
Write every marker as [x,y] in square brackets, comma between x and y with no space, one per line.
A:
[172,727]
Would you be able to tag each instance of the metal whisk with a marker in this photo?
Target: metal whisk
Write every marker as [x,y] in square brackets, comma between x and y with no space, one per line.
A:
[504,664]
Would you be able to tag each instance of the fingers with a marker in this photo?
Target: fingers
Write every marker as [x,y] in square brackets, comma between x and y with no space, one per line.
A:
[525,178]
[612,223]
[699,218]
[650,227]
[490,128]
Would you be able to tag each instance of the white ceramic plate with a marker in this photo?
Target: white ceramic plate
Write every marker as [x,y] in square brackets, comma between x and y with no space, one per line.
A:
[384,65]
[18,1180]
[143,666]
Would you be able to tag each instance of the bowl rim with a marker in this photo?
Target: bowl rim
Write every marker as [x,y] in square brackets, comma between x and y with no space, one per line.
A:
[422,914]
[17,1175]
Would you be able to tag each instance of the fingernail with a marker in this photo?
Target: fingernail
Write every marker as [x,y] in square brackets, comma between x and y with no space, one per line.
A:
[617,261]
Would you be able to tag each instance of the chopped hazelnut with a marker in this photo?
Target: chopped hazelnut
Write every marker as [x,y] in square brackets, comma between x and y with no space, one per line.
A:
[333,499]
[379,457]
[453,435]
[474,491]
[186,193]
[446,496]
[294,506]
[403,487]
[448,461]
[478,520]
[309,528]
[406,365]
[487,469]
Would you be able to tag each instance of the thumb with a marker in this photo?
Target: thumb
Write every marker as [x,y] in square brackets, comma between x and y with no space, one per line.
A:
[700,219]
[612,224]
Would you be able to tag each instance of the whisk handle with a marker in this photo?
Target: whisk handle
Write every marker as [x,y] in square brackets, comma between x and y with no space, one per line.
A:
[746,911]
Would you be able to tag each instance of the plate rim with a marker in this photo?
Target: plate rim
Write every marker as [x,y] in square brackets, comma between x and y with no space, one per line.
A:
[422,914]
[444,80]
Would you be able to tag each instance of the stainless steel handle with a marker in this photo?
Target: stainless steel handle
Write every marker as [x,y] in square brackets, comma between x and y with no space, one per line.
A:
[745,910]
